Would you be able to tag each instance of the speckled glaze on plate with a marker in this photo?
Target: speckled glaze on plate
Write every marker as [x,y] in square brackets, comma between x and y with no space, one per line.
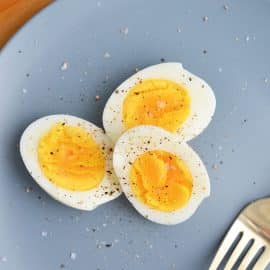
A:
[224,42]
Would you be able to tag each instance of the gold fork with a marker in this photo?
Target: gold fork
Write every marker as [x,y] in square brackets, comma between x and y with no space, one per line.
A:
[248,239]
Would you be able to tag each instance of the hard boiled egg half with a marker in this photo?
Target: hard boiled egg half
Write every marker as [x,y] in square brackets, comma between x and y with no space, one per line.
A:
[71,159]
[164,95]
[161,175]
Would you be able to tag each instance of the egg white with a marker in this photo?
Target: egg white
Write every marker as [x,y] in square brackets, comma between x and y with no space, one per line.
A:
[108,188]
[141,139]
[203,100]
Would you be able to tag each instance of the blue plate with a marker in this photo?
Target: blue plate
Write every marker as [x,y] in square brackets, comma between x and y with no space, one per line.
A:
[229,48]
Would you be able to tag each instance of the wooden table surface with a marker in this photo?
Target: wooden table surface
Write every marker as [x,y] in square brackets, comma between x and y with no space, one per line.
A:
[14,13]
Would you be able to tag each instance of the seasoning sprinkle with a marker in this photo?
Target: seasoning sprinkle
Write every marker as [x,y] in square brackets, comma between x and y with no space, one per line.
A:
[107,55]
[44,234]
[124,30]
[73,256]
[205,18]
[3,259]
[226,7]
[64,66]
[28,189]
[214,166]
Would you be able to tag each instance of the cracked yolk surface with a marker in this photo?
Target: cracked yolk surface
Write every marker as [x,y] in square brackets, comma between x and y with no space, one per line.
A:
[161,180]
[156,102]
[70,158]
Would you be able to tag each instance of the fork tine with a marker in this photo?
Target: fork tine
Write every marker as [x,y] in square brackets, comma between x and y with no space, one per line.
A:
[263,261]
[225,245]
[250,255]
[237,251]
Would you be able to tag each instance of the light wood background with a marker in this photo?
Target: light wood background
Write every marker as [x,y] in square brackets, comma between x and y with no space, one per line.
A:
[14,13]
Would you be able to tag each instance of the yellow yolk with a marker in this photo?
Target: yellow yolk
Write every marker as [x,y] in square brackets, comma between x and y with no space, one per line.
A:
[70,158]
[156,102]
[161,180]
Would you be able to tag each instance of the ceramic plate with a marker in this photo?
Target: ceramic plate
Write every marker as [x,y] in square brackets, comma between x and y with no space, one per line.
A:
[225,42]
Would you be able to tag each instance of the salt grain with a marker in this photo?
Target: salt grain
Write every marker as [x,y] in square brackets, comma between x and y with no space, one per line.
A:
[179,30]
[28,189]
[44,234]
[99,4]
[220,69]
[24,90]
[266,80]
[3,259]
[107,55]
[244,88]
[226,7]
[73,256]
[214,166]
[205,18]
[161,104]
[247,38]
[64,66]
[124,30]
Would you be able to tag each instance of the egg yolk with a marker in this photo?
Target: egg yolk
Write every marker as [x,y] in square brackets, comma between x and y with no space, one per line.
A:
[70,158]
[161,180]
[156,102]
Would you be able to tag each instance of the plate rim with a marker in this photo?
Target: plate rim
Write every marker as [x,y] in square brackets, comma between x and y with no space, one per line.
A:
[27,24]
